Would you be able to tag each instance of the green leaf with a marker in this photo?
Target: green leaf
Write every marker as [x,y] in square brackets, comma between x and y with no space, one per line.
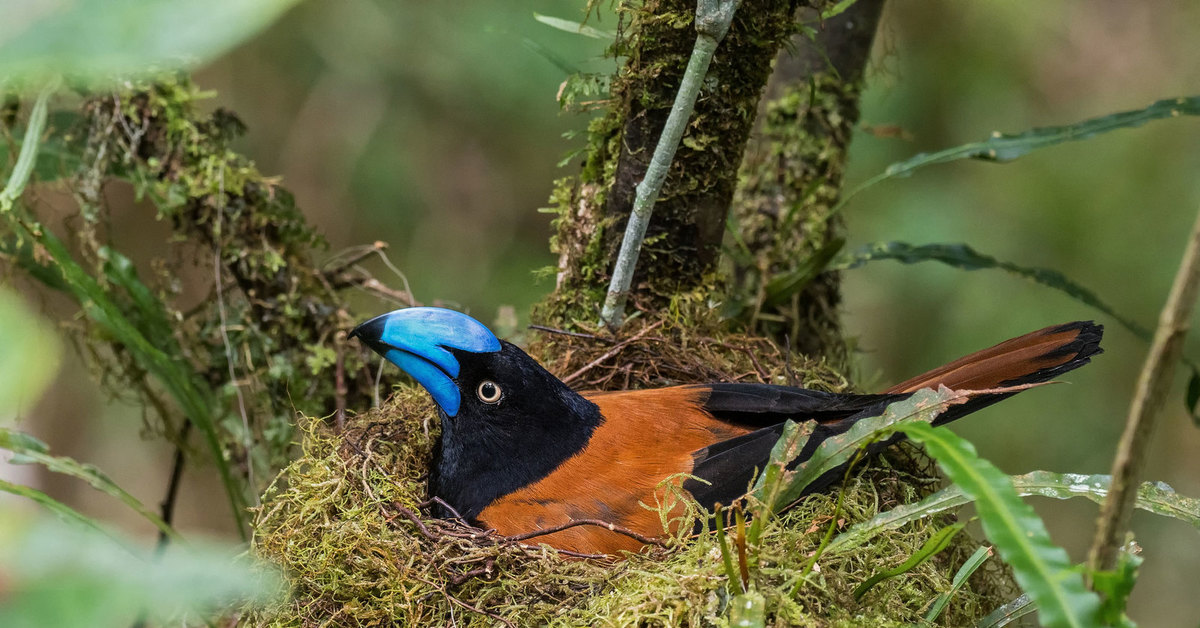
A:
[1003,148]
[960,578]
[771,482]
[837,9]
[837,450]
[556,59]
[1114,588]
[782,286]
[35,451]
[935,544]
[98,40]
[964,257]
[1005,615]
[30,143]
[578,28]
[1043,569]
[67,577]
[62,511]
[1155,497]
[169,368]
[56,158]
[29,355]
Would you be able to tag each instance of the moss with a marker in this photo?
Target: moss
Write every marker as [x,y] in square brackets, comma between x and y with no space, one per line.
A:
[273,323]
[345,522]
[790,181]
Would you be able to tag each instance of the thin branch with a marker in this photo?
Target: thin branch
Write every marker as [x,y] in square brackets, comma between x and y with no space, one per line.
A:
[167,507]
[340,390]
[611,527]
[1154,384]
[412,516]
[573,334]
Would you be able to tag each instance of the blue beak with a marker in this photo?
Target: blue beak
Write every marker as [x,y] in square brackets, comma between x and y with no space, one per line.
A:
[417,340]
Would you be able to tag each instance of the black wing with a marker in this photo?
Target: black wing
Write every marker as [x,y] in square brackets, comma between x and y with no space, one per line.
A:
[725,469]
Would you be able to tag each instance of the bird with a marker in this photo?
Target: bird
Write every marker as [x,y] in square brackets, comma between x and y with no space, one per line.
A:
[520,451]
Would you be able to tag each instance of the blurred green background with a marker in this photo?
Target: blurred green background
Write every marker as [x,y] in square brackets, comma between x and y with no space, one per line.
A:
[434,127]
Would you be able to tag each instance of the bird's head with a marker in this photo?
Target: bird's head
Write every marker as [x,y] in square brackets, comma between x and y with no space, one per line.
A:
[506,420]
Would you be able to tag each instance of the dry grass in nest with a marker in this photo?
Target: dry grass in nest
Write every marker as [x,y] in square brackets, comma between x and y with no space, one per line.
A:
[348,525]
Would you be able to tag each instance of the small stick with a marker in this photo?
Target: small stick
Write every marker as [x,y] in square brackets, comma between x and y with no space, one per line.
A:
[610,353]
[1152,388]
[573,334]
[167,508]
[412,516]
[612,527]
[339,386]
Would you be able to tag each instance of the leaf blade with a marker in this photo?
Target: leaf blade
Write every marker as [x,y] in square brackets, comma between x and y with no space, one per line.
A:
[1042,568]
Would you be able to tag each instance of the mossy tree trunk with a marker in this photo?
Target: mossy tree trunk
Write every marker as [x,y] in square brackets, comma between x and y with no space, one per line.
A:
[778,201]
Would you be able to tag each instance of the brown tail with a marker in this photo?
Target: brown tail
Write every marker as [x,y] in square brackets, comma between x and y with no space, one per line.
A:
[1035,357]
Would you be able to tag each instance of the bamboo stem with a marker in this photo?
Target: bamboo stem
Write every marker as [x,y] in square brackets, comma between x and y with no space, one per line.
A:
[1154,383]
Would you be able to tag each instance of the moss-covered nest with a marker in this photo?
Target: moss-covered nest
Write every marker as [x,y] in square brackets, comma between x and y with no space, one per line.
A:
[347,523]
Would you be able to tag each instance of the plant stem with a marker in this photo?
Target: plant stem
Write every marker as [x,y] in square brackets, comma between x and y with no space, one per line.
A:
[1153,385]
[713,18]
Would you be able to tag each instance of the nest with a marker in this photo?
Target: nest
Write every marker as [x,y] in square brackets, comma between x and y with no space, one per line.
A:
[348,523]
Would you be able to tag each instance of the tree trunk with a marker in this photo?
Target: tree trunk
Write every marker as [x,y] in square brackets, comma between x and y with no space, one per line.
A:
[789,178]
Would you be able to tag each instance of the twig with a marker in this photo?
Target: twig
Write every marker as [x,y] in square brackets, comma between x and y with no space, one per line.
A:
[1153,385]
[339,386]
[763,376]
[611,527]
[441,502]
[412,516]
[573,334]
[712,22]
[363,253]
[376,286]
[611,352]
[486,571]
[167,507]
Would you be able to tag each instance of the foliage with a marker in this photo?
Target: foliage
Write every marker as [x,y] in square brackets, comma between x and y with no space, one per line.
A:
[97,41]
[83,575]
[1042,568]
[71,577]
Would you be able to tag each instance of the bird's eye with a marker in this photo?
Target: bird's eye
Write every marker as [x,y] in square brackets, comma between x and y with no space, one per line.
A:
[488,392]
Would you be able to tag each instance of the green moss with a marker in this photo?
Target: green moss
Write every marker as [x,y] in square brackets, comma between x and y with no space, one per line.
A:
[275,314]
[790,180]
[353,558]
